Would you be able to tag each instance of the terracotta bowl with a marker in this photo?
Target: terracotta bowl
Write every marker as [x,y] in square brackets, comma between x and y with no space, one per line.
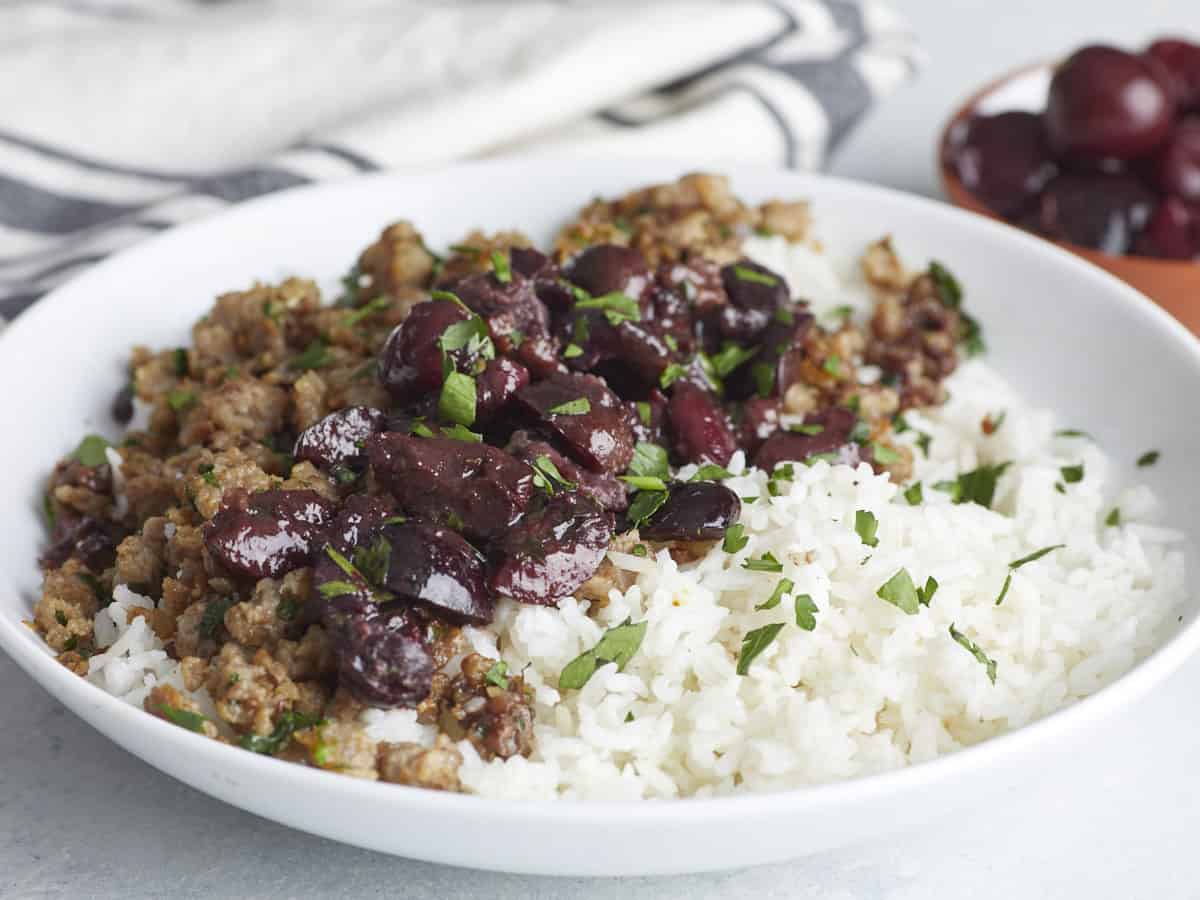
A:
[1172,284]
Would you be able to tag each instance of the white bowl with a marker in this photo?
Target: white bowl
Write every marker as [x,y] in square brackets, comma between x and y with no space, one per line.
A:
[1066,334]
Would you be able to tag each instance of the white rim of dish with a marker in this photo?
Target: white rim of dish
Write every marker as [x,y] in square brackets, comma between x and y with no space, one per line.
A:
[34,657]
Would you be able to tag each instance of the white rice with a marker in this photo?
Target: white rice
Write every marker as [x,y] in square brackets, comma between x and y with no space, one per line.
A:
[871,688]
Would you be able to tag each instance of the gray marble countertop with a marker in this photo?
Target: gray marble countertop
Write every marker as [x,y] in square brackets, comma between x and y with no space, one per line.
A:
[79,816]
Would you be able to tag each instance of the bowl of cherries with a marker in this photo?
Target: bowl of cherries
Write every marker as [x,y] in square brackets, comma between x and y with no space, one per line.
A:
[1099,153]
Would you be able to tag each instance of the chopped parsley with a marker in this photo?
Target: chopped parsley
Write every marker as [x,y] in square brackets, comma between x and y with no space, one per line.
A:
[764,378]
[639,550]
[374,560]
[807,429]
[470,335]
[617,646]
[806,612]
[649,459]
[745,273]
[206,472]
[1072,474]
[1072,433]
[900,591]
[885,456]
[644,482]
[465,250]
[315,355]
[181,361]
[765,563]
[617,307]
[420,429]
[501,268]
[644,412]
[644,505]
[865,524]
[735,538]
[671,374]
[976,486]
[183,718]
[448,296]
[784,587]
[457,400]
[1017,563]
[711,472]
[577,407]
[102,596]
[923,440]
[572,350]
[498,675]
[1113,518]
[547,477]
[214,616]
[754,643]
[180,399]
[833,365]
[354,317]
[947,285]
[270,744]
[1148,458]
[971,647]
[460,433]
[91,451]
[914,494]
[730,357]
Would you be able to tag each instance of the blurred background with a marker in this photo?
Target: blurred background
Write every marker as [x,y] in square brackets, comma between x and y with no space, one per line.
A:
[119,119]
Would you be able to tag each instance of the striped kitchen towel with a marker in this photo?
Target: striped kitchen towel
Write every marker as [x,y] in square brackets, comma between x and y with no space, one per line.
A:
[119,119]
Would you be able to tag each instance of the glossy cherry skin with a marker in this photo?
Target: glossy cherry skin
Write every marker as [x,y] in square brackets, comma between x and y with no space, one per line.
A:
[696,511]
[270,533]
[1104,212]
[1106,103]
[1181,63]
[1175,166]
[1005,160]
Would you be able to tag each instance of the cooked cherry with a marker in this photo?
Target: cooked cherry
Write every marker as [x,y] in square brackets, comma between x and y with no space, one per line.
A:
[379,652]
[437,568]
[603,487]
[1176,164]
[1181,61]
[700,431]
[1005,160]
[410,363]
[360,515]
[270,533]
[1172,232]
[586,416]
[511,308]
[496,385]
[1104,212]
[608,268]
[760,420]
[836,425]
[1105,102]
[755,295]
[84,538]
[699,511]
[122,405]
[339,438]
[474,488]
[553,550]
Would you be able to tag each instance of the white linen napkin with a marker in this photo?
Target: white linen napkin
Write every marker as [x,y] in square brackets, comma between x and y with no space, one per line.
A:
[119,119]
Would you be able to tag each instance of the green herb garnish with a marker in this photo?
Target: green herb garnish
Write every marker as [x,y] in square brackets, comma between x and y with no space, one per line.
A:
[809,430]
[498,675]
[1072,474]
[1148,459]
[865,524]
[315,355]
[289,722]
[900,591]
[914,494]
[183,718]
[745,273]
[501,268]
[617,646]
[806,612]
[644,482]
[764,378]
[973,648]
[181,361]
[649,459]
[885,456]
[617,307]
[735,538]
[765,563]
[711,472]
[730,357]
[832,365]
[91,451]
[754,643]
[644,505]
[577,407]
[180,399]
[354,317]
[572,350]
[784,587]
[457,400]
[671,374]
[214,616]
[547,477]
[206,472]
[1113,518]
[976,486]
[644,412]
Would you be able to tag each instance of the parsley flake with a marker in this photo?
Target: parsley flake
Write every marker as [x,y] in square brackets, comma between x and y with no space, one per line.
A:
[1148,458]
[501,268]
[577,407]
[457,400]
[735,538]
[617,646]
[783,588]
[745,273]
[91,451]
[765,563]
[865,524]
[754,643]
[971,647]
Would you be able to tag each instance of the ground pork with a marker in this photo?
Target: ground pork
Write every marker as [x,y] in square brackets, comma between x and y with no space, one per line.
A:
[433,767]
